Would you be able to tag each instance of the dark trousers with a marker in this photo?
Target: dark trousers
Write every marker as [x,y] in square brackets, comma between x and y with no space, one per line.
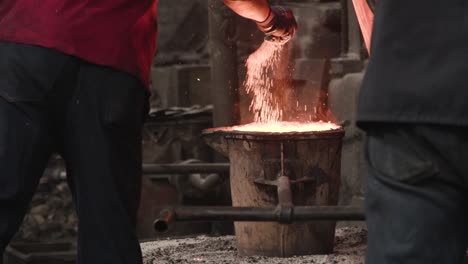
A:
[92,116]
[417,210]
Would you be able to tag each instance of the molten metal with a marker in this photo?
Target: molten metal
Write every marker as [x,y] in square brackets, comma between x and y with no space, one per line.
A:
[286,127]
[260,65]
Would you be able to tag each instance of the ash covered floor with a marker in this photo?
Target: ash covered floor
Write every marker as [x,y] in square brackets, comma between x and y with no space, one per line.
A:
[350,246]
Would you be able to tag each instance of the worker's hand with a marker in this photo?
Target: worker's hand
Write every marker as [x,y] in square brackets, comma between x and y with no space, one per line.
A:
[280,25]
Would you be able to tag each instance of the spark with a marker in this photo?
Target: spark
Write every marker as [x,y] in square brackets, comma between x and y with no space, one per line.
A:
[260,65]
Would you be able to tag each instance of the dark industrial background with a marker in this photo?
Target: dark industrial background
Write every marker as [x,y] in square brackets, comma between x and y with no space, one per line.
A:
[197,83]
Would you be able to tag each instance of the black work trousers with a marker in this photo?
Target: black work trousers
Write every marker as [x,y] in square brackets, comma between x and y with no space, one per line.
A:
[92,116]
[417,195]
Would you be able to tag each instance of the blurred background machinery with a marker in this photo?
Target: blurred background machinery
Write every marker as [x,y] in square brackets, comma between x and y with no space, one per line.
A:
[197,83]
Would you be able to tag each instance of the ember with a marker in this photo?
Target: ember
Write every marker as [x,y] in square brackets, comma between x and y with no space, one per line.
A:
[285,127]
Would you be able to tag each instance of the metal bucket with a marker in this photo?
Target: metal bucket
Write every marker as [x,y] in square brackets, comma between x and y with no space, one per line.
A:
[311,160]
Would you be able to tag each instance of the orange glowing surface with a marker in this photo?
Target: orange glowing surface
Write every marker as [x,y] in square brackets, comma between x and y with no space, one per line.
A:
[286,127]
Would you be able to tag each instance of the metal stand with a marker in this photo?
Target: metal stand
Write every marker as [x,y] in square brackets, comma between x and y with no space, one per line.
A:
[185,168]
[169,216]
[284,213]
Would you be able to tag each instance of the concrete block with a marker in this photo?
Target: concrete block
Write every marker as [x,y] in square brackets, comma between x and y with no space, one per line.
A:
[310,69]
[320,29]
[343,94]
[184,85]
[193,83]
[162,87]
[170,15]
[353,170]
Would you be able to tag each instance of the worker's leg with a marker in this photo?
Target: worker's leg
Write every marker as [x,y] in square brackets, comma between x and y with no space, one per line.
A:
[24,151]
[416,196]
[103,157]
[25,136]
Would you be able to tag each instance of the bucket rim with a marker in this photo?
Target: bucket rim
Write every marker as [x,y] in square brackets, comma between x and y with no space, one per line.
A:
[290,136]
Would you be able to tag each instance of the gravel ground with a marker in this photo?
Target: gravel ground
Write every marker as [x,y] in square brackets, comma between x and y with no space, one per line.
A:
[350,248]
[51,216]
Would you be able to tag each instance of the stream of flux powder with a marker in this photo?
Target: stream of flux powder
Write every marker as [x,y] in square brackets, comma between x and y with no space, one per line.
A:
[261,65]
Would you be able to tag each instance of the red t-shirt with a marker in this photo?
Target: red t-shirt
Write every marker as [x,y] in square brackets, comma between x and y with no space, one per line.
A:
[117,33]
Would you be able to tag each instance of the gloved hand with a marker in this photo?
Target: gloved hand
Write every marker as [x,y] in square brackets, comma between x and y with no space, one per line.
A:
[280,25]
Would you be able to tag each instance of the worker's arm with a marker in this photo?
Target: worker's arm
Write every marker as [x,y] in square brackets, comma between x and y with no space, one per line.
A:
[256,10]
[277,22]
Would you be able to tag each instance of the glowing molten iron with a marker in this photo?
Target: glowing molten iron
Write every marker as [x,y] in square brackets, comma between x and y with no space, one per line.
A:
[285,127]
[265,69]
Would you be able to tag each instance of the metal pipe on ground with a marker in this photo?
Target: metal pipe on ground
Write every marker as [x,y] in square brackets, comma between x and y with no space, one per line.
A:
[253,214]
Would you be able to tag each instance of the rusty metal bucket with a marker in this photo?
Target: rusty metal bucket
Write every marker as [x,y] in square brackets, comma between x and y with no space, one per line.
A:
[311,160]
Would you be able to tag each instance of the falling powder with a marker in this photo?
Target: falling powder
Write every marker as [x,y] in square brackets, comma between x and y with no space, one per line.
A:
[260,67]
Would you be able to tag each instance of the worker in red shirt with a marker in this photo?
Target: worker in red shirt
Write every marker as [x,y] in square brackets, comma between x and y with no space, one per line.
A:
[73,79]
